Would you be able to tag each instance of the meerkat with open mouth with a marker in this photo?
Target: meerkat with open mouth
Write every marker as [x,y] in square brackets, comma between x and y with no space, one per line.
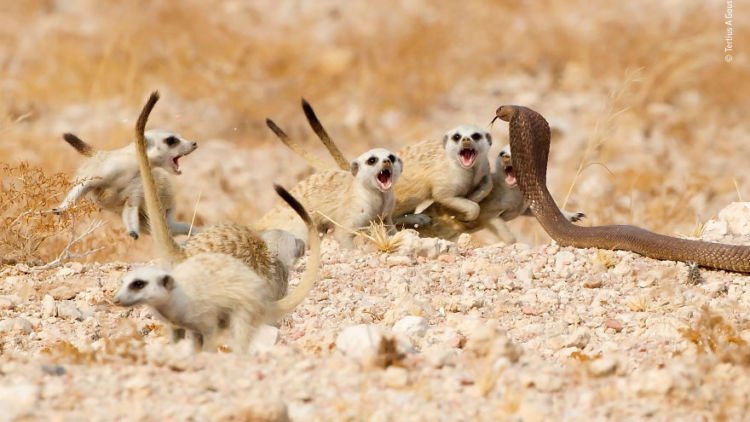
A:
[112,180]
[504,203]
[344,201]
[207,292]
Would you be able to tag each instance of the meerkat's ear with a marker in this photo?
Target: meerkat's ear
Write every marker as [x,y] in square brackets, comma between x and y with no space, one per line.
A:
[445,140]
[355,168]
[167,282]
[489,138]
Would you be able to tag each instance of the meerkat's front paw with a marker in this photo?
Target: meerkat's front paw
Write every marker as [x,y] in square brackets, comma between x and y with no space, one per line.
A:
[575,216]
[134,234]
[413,220]
[472,212]
[57,210]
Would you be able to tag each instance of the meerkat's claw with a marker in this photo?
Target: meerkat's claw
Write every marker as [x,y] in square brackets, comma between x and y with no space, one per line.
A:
[133,234]
[56,211]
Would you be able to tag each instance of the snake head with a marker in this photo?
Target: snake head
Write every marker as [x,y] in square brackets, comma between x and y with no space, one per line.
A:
[505,112]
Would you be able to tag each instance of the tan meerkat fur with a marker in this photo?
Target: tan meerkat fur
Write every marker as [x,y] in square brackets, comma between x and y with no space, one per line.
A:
[446,173]
[344,201]
[208,292]
[268,256]
[504,203]
[112,181]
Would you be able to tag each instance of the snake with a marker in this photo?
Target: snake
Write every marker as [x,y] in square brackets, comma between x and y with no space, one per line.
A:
[530,143]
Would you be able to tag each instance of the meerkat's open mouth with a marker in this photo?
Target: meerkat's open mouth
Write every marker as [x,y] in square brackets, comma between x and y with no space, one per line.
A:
[510,175]
[467,156]
[176,164]
[385,181]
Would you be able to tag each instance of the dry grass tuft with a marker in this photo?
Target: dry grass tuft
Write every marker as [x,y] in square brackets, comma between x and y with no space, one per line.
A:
[378,234]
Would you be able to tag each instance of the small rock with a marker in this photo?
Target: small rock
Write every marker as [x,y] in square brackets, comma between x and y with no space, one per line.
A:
[524,274]
[396,260]
[563,259]
[737,217]
[530,310]
[592,283]
[464,242]
[580,338]
[438,356]
[714,230]
[17,400]
[67,309]
[396,377]
[411,325]
[653,382]
[15,325]
[603,367]
[622,268]
[360,342]
[9,302]
[613,324]
[64,292]
[56,370]
[265,338]
[49,308]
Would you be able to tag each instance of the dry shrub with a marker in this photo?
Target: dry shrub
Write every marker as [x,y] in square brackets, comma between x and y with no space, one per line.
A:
[33,234]
[712,333]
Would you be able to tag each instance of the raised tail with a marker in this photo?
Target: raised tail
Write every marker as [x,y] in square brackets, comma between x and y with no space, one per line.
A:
[166,248]
[82,147]
[295,147]
[317,127]
[291,300]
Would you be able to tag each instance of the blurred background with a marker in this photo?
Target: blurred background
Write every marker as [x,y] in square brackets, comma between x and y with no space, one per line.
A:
[650,120]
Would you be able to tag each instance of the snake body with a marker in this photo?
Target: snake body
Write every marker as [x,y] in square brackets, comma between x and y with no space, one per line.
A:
[530,142]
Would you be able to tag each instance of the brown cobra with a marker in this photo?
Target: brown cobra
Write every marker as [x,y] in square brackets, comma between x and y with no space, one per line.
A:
[529,143]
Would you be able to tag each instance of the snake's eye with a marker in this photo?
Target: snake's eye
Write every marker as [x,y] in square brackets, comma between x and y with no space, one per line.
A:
[456,137]
[476,136]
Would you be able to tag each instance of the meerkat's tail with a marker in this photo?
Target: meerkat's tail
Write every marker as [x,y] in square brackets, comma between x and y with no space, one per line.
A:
[166,247]
[290,301]
[82,147]
[295,147]
[317,127]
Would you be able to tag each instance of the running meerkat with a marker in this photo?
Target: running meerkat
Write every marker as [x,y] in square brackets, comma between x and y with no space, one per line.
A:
[344,201]
[271,254]
[208,292]
[112,180]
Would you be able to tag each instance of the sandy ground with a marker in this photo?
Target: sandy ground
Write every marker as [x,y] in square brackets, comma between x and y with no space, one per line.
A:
[434,331]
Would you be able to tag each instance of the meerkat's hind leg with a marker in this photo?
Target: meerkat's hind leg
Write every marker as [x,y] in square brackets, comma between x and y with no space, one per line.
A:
[500,230]
[468,208]
[131,219]
[198,340]
[243,327]
[345,238]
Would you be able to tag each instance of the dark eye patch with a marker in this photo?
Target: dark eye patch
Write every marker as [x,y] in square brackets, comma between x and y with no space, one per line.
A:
[476,136]
[371,161]
[171,141]
[456,137]
[392,158]
[137,284]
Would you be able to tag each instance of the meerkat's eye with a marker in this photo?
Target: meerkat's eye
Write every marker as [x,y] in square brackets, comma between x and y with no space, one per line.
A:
[456,137]
[137,284]
[476,136]
[172,141]
[371,161]
[392,158]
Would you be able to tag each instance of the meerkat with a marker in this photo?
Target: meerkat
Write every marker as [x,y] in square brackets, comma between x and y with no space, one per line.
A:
[344,201]
[208,291]
[271,254]
[112,180]
[504,203]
